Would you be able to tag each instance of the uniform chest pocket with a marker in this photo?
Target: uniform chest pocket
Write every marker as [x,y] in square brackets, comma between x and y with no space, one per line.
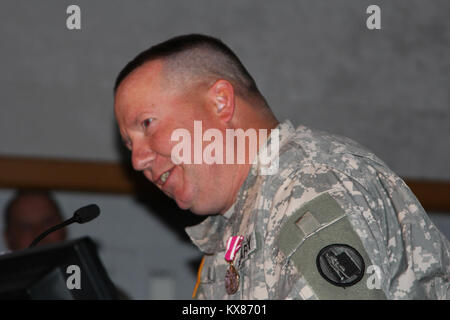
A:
[212,280]
[213,273]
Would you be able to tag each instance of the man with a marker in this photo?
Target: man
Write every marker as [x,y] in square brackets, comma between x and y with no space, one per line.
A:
[332,222]
[27,215]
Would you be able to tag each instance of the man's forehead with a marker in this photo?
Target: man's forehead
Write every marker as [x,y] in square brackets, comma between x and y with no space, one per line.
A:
[136,88]
[145,75]
[31,204]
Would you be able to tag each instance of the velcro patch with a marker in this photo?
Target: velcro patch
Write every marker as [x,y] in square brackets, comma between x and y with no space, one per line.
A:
[320,241]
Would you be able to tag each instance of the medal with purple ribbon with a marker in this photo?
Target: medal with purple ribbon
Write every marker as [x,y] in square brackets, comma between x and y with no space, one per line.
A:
[232,276]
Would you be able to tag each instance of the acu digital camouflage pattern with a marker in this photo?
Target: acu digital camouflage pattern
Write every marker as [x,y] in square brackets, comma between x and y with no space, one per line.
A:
[398,236]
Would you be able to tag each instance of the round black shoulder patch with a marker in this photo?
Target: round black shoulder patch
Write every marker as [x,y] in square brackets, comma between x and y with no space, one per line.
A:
[340,264]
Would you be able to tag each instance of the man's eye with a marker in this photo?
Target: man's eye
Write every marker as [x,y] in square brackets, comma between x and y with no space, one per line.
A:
[146,123]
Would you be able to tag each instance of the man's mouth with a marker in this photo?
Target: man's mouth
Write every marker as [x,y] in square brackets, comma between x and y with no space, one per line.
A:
[163,178]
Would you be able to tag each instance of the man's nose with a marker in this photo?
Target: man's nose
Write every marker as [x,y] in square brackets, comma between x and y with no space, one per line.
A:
[141,158]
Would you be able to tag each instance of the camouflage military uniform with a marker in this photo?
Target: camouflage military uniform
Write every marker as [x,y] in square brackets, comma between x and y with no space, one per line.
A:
[328,191]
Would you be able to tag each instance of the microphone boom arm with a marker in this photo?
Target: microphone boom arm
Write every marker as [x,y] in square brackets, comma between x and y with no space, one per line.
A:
[82,215]
[54,228]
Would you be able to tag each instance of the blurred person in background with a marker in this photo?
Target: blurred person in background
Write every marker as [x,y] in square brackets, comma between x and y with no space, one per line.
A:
[28,214]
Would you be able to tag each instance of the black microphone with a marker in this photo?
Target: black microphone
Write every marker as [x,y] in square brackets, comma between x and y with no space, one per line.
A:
[82,215]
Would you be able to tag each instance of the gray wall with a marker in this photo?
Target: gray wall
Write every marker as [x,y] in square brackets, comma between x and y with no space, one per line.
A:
[315,61]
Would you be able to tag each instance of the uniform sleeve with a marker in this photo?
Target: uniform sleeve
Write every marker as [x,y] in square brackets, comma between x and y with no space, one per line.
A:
[408,253]
[413,253]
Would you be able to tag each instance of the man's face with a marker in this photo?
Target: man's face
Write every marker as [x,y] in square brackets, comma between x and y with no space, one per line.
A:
[147,113]
[30,216]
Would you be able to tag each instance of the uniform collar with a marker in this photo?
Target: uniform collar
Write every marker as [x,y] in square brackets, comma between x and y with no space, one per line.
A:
[208,235]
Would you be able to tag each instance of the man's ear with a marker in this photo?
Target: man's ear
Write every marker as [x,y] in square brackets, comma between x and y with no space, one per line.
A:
[221,94]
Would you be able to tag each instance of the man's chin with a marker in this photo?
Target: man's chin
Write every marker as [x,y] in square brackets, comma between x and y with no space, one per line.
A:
[197,208]
[189,206]
[183,205]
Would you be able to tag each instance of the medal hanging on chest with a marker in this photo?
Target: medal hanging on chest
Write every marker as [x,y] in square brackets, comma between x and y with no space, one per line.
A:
[232,276]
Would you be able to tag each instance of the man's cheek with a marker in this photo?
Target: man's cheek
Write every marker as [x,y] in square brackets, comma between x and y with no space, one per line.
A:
[161,146]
